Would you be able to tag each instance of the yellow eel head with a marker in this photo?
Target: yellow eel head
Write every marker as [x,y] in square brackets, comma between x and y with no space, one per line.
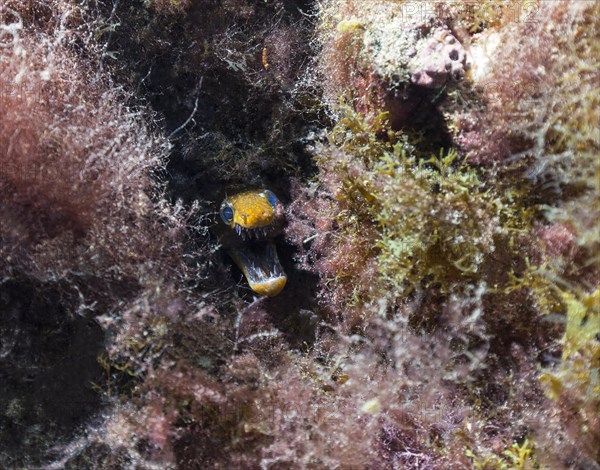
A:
[255,217]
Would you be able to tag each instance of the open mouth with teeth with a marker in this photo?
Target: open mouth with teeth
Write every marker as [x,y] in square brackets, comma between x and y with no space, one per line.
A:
[261,267]
[254,217]
[252,233]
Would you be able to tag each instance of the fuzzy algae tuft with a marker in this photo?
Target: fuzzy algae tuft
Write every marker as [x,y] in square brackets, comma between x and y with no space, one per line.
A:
[431,219]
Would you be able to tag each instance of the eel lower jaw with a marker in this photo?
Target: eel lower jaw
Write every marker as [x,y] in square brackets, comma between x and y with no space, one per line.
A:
[260,265]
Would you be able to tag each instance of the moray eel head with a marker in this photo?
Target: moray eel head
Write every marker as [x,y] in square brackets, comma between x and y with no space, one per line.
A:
[255,217]
[252,214]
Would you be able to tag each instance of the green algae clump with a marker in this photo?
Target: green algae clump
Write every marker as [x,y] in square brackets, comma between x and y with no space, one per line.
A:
[431,219]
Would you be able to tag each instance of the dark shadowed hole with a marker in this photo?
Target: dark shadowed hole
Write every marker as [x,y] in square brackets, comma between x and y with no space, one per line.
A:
[47,367]
[415,111]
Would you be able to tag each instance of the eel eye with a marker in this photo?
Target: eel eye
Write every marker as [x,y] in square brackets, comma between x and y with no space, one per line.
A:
[226,212]
[271,198]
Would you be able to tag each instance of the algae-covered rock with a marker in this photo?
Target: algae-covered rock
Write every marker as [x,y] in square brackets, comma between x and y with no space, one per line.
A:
[382,54]
[437,166]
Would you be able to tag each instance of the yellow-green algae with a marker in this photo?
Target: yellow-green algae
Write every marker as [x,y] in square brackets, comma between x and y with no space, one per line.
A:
[435,218]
